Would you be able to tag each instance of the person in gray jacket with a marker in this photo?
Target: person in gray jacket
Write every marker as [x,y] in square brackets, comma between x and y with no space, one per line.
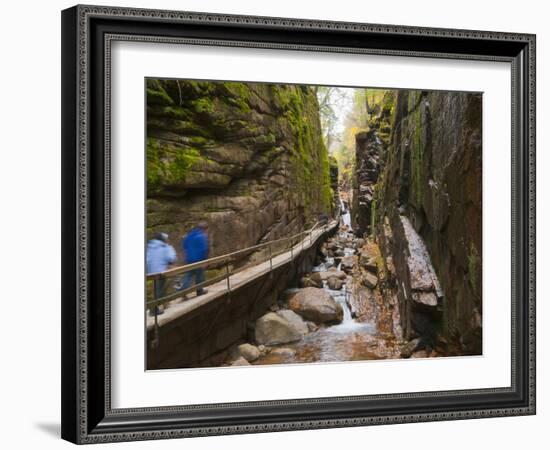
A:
[160,255]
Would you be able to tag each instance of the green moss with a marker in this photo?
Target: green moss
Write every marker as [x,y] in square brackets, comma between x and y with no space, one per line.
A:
[473,264]
[373,216]
[170,112]
[309,156]
[168,165]
[203,112]
[203,105]
[154,166]
[238,95]
[158,97]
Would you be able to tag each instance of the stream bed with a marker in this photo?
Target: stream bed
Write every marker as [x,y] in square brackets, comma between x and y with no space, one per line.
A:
[350,340]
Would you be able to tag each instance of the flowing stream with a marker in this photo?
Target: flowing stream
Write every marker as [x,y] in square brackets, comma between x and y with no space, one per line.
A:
[349,340]
[346,216]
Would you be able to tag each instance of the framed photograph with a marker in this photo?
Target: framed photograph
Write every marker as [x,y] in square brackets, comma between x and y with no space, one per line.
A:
[281,224]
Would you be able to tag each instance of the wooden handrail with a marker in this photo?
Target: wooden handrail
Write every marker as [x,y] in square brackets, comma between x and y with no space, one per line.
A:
[226,259]
[223,258]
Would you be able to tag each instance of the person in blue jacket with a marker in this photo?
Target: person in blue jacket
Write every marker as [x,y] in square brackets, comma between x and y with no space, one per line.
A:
[160,255]
[195,249]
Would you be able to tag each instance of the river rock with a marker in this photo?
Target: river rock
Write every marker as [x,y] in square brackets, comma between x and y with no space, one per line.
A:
[312,280]
[335,283]
[240,362]
[368,261]
[316,305]
[280,328]
[249,352]
[369,280]
[347,263]
[332,273]
[410,347]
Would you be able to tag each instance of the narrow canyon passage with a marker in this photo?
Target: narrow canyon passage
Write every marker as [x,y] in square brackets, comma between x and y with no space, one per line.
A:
[249,165]
[353,339]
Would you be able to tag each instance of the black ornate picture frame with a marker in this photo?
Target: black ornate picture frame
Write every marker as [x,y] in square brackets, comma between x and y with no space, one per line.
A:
[87,35]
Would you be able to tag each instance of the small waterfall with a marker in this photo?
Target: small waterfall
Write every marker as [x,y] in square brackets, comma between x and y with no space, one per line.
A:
[346,216]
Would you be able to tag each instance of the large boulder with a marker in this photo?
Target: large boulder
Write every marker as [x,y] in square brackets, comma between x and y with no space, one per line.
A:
[280,328]
[316,305]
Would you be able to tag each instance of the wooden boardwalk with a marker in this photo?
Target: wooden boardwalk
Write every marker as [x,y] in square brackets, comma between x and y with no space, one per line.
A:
[178,308]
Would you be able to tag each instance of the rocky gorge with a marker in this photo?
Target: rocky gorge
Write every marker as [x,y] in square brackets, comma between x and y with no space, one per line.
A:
[398,277]
[420,199]
[339,312]
[248,158]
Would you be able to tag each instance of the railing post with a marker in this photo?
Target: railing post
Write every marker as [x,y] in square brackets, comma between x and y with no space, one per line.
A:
[155,308]
[227,276]
[270,258]
[155,341]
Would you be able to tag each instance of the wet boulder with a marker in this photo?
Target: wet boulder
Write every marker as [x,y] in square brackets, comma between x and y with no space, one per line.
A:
[280,328]
[316,305]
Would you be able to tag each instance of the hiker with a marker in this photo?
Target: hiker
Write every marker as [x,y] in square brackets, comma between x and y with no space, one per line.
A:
[160,255]
[323,218]
[195,249]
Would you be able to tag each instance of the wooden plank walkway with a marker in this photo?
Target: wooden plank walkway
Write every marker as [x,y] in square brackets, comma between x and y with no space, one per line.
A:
[176,308]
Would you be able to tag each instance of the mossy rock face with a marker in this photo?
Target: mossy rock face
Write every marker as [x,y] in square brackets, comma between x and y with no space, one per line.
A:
[432,175]
[247,157]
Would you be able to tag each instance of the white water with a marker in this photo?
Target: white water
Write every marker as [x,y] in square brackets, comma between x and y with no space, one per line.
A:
[346,216]
[342,296]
